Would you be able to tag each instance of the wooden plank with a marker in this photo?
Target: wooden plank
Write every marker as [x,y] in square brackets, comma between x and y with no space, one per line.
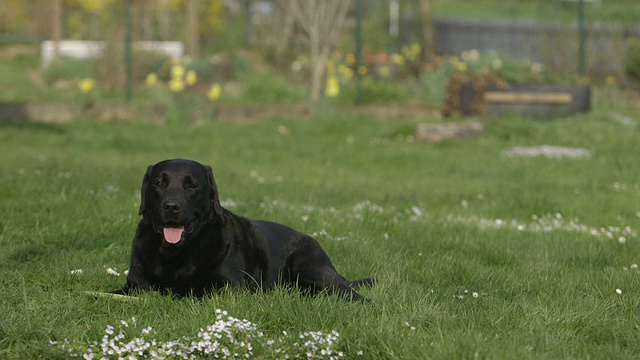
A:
[560,98]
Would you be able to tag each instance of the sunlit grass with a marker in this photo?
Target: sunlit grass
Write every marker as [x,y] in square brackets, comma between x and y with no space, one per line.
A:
[475,253]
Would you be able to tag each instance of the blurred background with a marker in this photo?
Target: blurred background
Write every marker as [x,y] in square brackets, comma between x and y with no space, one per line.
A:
[389,53]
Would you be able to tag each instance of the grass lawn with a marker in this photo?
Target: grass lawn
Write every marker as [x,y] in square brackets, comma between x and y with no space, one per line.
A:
[477,254]
[559,10]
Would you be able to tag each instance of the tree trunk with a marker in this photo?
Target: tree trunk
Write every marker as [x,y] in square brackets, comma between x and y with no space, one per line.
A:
[282,30]
[57,27]
[193,28]
[426,14]
[322,21]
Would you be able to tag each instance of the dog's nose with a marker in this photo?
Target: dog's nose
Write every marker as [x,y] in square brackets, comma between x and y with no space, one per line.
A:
[171,206]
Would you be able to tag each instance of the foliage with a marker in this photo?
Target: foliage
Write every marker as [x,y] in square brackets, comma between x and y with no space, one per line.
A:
[504,68]
[68,70]
[382,75]
[13,17]
[270,89]
[632,65]
[175,89]
[378,93]
[385,75]
[479,71]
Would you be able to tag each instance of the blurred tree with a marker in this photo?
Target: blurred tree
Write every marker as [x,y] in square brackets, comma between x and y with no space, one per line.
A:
[193,28]
[13,16]
[426,22]
[282,31]
[322,22]
[215,15]
[56,27]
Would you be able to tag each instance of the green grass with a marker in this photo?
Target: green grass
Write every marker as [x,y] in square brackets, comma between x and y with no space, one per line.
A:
[564,11]
[16,84]
[421,218]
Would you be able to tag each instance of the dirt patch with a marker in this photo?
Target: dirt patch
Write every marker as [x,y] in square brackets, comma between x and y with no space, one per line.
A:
[390,113]
[38,112]
[244,113]
[13,51]
[117,111]
[426,133]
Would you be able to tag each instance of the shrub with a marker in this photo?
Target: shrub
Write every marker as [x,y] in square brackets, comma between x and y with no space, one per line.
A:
[382,92]
[270,89]
[632,64]
[476,71]
[68,69]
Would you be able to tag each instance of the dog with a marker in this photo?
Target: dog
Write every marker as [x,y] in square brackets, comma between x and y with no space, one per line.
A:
[188,244]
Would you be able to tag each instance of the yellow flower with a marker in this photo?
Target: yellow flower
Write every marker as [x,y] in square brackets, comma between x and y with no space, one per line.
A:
[191,78]
[350,59]
[397,59]
[411,52]
[215,92]
[416,49]
[610,80]
[152,79]
[95,5]
[176,85]
[363,70]
[177,71]
[346,71]
[461,66]
[333,87]
[331,69]
[86,85]
[384,71]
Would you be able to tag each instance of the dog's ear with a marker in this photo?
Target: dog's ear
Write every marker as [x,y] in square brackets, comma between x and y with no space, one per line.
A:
[143,189]
[215,196]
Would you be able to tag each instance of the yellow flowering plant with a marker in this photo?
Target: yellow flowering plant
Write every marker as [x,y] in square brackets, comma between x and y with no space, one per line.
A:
[342,69]
[482,70]
[214,92]
[178,89]
[86,85]
[377,72]
[87,88]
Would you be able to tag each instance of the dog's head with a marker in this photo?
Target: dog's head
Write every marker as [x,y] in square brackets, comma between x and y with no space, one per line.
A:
[178,197]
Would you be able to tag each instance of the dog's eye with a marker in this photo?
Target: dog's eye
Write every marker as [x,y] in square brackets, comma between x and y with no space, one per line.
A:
[192,186]
[158,183]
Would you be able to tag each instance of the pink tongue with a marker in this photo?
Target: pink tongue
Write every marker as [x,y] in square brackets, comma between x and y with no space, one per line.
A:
[173,235]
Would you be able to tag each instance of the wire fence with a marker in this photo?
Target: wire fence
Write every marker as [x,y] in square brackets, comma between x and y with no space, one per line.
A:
[208,26]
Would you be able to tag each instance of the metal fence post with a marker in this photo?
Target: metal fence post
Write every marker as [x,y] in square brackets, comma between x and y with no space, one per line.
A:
[358,51]
[127,52]
[581,37]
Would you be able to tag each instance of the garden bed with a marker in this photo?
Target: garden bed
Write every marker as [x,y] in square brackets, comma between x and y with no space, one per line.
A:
[59,112]
[536,101]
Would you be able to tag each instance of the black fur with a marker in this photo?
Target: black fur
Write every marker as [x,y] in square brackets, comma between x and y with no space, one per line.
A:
[217,247]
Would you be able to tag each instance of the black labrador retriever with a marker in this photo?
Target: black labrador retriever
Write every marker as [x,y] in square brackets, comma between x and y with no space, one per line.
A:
[188,244]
